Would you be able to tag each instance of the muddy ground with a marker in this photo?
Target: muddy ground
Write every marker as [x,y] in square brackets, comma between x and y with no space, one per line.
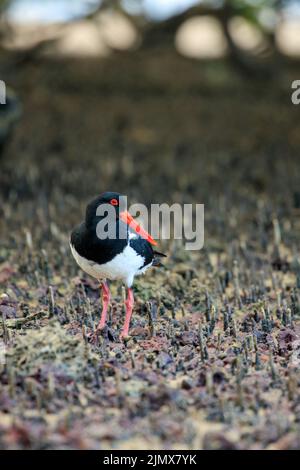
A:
[213,358]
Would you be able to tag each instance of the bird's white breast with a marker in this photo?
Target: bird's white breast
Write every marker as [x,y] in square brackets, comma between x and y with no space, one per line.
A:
[123,266]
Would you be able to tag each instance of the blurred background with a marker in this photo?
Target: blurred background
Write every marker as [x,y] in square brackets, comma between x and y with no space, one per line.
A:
[175,100]
[165,101]
[171,99]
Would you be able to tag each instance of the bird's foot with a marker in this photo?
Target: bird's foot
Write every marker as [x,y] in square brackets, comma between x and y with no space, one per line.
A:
[104,331]
[124,336]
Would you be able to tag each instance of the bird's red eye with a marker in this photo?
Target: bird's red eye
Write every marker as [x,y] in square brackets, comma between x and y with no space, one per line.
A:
[114,202]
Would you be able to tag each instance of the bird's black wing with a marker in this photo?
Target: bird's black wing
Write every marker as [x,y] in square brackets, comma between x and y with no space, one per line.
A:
[88,245]
[143,248]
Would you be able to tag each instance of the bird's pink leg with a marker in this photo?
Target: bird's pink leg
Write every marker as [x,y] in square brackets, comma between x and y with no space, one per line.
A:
[105,305]
[129,307]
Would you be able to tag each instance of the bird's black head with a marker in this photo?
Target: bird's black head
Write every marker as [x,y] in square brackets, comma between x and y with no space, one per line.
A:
[109,199]
[108,212]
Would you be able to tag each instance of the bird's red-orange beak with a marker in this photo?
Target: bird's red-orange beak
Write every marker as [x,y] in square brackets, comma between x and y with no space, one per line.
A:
[129,220]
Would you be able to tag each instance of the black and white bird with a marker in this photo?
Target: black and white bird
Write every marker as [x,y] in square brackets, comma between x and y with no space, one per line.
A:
[120,257]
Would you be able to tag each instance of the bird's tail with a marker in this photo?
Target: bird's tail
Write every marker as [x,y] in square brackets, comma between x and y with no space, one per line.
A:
[156,261]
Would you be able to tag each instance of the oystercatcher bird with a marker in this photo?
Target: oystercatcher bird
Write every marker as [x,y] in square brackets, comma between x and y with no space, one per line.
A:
[124,253]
